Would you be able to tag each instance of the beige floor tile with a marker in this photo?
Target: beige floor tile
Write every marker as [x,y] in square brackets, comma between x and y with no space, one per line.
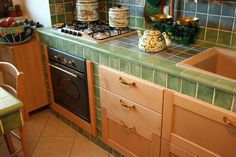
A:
[34,127]
[55,127]
[45,114]
[53,147]
[82,147]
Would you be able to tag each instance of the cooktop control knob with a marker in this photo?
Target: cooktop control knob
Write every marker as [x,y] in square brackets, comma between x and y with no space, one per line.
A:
[71,63]
[57,57]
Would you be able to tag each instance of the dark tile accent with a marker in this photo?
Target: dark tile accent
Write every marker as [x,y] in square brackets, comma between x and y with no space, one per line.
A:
[215,9]
[226,23]
[202,7]
[190,6]
[58,1]
[202,19]
[213,21]
[132,10]
[68,7]
[179,5]
[228,9]
[139,11]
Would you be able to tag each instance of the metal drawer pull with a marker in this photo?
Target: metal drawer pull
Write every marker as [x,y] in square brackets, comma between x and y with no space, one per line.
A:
[131,84]
[126,105]
[122,123]
[228,122]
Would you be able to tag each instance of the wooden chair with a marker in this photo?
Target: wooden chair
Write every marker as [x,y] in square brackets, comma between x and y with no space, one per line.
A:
[17,91]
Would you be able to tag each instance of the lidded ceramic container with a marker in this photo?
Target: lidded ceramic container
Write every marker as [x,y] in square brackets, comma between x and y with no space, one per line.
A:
[153,41]
[119,17]
[87,10]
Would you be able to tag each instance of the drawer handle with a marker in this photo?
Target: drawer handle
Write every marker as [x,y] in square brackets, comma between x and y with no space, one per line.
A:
[122,123]
[229,122]
[126,105]
[131,84]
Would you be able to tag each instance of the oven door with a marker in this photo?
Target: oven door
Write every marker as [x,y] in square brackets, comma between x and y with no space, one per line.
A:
[70,90]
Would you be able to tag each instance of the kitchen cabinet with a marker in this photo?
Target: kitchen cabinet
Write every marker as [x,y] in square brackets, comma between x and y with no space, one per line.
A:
[194,128]
[131,113]
[27,58]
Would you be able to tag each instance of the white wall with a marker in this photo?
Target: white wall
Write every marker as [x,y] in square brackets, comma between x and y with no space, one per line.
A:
[36,10]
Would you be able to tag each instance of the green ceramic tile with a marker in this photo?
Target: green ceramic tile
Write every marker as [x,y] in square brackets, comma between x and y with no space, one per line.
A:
[95,56]
[188,87]
[104,59]
[224,38]
[61,18]
[96,80]
[205,93]
[68,0]
[58,1]
[116,153]
[234,105]
[69,17]
[132,21]
[99,124]
[99,134]
[164,65]
[233,43]
[147,74]
[68,7]
[97,91]
[211,35]
[98,103]
[135,69]
[98,113]
[192,75]
[201,33]
[223,99]
[160,78]
[87,53]
[173,70]
[54,19]
[79,50]
[86,134]
[206,79]
[95,68]
[124,65]
[51,1]
[173,82]
[52,9]
[114,62]
[139,22]
[225,85]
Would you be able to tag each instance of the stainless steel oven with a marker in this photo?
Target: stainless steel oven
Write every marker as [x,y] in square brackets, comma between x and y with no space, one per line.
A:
[69,82]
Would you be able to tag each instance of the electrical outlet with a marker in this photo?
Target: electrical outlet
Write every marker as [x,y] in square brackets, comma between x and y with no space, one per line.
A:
[166,10]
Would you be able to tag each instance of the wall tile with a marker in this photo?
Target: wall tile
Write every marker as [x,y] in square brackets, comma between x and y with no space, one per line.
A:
[190,6]
[188,87]
[211,35]
[147,74]
[214,9]
[173,82]
[213,21]
[104,59]
[223,99]
[124,65]
[114,62]
[224,38]
[205,93]
[160,78]
[228,9]
[135,69]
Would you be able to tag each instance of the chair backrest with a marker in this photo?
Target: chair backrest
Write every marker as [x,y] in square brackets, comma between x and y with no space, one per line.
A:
[17,91]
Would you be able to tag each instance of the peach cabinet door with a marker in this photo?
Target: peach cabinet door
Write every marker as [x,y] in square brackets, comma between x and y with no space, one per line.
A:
[143,92]
[200,128]
[135,113]
[130,140]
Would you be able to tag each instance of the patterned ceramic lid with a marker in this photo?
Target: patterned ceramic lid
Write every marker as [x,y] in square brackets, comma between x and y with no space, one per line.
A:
[152,32]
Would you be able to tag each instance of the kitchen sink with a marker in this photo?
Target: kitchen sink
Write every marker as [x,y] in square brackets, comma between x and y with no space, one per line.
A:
[215,61]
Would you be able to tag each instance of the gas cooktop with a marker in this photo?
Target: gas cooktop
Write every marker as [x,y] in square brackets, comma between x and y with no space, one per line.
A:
[96,32]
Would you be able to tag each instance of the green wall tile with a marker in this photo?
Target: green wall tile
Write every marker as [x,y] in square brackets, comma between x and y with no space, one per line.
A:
[233,44]
[234,105]
[104,59]
[147,74]
[69,17]
[98,113]
[98,103]
[95,56]
[52,9]
[54,19]
[132,21]
[160,78]
[211,35]
[114,62]
[61,18]
[224,38]
[139,22]
[97,91]
[135,69]
[124,65]
[95,68]
[99,124]
[68,7]
[87,53]
[205,93]
[188,87]
[96,80]
[173,82]
[223,99]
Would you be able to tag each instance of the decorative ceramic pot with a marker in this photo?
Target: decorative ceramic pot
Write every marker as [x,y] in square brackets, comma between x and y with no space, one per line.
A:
[153,41]
[16,34]
[119,17]
[87,10]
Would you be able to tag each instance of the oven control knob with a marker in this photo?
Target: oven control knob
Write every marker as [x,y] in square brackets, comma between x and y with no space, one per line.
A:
[57,57]
[66,31]
[71,63]
[70,32]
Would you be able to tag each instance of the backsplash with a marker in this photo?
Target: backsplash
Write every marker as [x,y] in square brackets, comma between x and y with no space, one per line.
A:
[217,22]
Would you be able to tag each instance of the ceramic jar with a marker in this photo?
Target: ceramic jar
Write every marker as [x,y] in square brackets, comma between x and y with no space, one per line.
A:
[153,41]
[119,17]
[87,10]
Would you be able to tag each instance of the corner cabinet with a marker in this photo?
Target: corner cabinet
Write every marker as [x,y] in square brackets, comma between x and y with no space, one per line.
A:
[192,128]
[27,58]
[131,113]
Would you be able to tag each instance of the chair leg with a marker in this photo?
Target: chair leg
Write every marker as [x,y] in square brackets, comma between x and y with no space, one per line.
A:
[24,142]
[9,143]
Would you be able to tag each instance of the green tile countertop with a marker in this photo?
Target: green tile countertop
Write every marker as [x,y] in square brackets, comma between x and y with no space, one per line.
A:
[160,68]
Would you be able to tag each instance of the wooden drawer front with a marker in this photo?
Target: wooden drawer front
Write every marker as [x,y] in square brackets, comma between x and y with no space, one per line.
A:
[135,113]
[142,92]
[171,150]
[199,127]
[135,140]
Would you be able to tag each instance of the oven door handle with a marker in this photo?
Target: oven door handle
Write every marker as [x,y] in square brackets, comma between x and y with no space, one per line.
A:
[74,75]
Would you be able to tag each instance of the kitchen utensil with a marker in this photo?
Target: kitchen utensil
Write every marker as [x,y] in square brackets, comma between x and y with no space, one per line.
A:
[185,21]
[153,41]
[160,17]
[87,10]
[119,17]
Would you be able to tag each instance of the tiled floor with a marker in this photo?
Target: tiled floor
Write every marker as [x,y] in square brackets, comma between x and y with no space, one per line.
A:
[49,137]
